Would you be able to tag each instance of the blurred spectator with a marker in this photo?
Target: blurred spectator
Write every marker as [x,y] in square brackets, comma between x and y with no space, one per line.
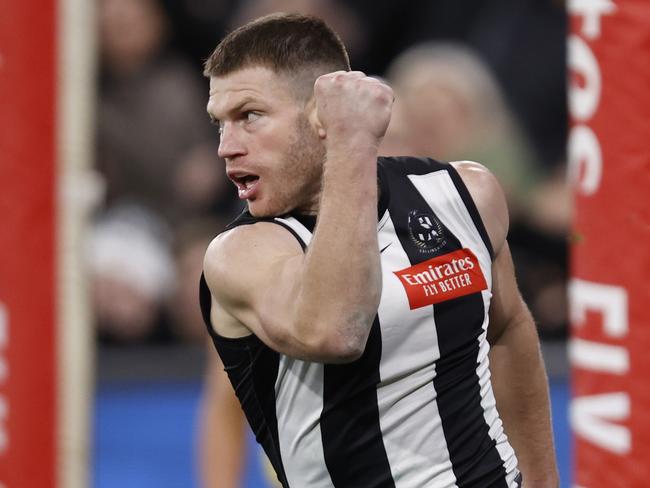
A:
[191,242]
[347,24]
[449,106]
[132,273]
[158,155]
[200,186]
[153,135]
[523,42]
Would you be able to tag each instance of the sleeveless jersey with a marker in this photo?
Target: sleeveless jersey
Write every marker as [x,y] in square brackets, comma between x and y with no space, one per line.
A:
[417,409]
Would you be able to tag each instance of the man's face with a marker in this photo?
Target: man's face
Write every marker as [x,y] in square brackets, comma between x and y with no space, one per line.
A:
[272,154]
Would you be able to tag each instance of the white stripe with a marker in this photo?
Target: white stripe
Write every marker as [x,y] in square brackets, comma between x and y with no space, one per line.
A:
[299,229]
[440,192]
[488,402]
[77,194]
[299,403]
[409,417]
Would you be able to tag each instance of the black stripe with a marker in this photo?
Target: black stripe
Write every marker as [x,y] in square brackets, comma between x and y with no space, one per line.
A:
[308,221]
[253,368]
[293,232]
[245,218]
[350,418]
[475,460]
[422,166]
[352,439]
[413,166]
[205,302]
[471,208]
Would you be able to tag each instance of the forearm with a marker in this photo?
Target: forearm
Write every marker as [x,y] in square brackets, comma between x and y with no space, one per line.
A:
[326,300]
[521,389]
[341,279]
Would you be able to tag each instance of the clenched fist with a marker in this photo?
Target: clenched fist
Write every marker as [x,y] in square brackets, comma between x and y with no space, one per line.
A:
[352,107]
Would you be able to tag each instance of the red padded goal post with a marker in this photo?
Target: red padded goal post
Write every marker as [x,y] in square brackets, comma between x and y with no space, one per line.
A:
[46,79]
[609,166]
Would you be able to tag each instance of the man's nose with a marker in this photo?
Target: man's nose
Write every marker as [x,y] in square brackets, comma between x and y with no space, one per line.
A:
[230,144]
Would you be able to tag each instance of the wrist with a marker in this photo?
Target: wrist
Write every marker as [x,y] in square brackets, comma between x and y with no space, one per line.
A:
[351,166]
[342,143]
[352,159]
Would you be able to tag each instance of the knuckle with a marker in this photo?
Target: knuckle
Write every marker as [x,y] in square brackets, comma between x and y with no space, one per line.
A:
[340,75]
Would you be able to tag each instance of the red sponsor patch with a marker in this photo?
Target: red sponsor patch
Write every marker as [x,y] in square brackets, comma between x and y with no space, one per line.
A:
[451,275]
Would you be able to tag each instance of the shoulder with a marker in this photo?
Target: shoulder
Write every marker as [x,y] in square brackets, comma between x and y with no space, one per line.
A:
[238,258]
[489,199]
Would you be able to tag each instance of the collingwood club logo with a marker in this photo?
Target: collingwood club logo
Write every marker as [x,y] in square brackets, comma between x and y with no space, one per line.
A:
[425,231]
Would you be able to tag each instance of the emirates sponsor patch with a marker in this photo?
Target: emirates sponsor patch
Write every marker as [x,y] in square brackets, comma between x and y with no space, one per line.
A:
[451,275]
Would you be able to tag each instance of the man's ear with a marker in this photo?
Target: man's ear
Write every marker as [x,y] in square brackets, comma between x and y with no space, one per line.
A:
[312,115]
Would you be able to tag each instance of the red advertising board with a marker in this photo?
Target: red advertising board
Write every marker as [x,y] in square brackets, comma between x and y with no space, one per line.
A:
[609,161]
[28,371]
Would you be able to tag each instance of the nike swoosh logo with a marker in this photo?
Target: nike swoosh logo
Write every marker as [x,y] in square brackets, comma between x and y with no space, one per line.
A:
[385,247]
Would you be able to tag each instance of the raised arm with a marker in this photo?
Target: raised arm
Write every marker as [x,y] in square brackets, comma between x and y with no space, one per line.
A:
[317,305]
[518,374]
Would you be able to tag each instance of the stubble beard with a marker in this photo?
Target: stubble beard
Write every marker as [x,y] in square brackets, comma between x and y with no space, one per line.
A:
[304,169]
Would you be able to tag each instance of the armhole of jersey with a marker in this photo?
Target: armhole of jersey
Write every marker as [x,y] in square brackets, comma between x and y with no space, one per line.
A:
[471,208]
[205,302]
[271,220]
[293,232]
[245,218]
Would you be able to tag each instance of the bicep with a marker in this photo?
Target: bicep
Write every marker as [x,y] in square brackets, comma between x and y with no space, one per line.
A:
[252,275]
[507,307]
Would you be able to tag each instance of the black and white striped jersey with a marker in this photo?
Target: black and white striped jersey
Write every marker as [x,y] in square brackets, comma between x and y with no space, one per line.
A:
[417,410]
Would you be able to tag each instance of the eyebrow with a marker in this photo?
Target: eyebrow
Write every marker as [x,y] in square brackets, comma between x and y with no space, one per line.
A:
[235,108]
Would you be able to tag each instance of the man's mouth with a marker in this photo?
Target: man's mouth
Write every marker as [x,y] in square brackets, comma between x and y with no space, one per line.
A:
[245,183]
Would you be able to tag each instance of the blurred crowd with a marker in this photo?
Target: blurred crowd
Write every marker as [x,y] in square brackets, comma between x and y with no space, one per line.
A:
[474,79]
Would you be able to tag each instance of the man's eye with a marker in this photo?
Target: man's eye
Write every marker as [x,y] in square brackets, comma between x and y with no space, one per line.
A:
[251,116]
